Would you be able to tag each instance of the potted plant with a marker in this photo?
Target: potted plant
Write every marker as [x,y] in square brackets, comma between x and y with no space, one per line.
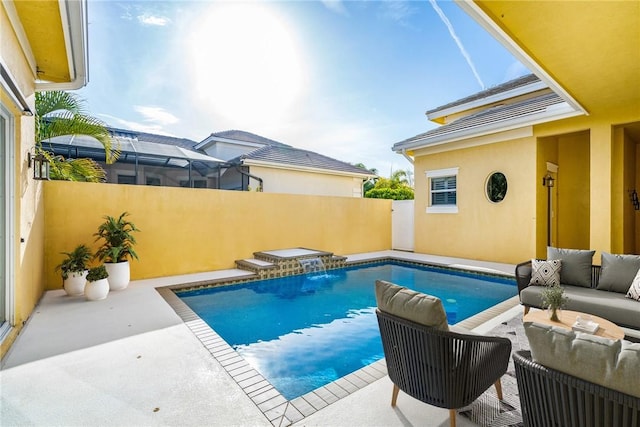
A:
[117,248]
[97,284]
[74,269]
[553,300]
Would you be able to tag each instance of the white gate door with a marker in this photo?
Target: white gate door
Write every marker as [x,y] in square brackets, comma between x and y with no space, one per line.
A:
[402,225]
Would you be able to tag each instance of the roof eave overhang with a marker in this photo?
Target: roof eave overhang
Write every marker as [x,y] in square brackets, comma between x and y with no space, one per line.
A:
[552,113]
[73,14]
[262,163]
[434,115]
[478,15]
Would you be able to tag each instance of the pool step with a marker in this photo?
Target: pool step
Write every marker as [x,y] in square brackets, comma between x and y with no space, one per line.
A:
[286,262]
[254,265]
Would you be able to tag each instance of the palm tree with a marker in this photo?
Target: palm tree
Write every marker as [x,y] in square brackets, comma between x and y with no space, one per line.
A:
[60,113]
[403,177]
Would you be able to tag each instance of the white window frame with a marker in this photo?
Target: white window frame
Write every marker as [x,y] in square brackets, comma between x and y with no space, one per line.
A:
[10,224]
[439,173]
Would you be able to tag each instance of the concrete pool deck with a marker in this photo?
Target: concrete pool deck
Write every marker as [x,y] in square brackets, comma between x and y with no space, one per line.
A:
[131,360]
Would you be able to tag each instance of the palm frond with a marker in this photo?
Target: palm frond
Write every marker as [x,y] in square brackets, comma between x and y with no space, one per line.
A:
[60,113]
[78,170]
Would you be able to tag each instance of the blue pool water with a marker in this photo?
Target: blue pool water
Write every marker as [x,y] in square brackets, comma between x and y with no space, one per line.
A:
[303,332]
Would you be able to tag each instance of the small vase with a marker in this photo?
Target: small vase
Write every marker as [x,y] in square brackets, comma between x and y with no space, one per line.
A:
[74,284]
[554,314]
[98,290]
[119,275]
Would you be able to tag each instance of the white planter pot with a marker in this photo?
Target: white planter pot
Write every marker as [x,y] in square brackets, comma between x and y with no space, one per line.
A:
[74,284]
[97,290]
[119,275]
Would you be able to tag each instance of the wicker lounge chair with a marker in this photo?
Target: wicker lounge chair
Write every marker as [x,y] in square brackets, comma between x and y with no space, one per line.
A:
[551,398]
[442,368]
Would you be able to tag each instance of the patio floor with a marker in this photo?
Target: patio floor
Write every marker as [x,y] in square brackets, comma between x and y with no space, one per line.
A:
[130,360]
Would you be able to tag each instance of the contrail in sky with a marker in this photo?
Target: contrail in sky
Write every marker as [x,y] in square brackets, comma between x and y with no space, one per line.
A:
[446,22]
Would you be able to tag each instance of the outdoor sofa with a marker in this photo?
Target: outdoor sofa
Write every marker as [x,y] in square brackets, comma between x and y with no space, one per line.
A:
[598,290]
[577,379]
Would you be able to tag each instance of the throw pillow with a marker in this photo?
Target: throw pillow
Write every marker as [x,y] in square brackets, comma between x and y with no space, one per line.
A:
[634,289]
[576,265]
[545,273]
[420,308]
[610,363]
[618,272]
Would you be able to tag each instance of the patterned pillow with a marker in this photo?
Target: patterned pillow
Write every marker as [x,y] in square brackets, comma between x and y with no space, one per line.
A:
[545,273]
[634,290]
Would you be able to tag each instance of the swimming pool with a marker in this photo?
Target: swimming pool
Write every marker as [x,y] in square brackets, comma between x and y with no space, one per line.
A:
[302,332]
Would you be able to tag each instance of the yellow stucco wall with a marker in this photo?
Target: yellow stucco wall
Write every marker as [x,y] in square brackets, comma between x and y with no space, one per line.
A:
[547,152]
[195,230]
[625,230]
[573,212]
[611,165]
[502,232]
[28,237]
[298,182]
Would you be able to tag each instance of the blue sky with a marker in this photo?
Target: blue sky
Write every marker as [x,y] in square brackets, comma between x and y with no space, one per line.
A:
[346,79]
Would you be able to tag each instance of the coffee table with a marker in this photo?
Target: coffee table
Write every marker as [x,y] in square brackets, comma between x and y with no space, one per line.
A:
[567,318]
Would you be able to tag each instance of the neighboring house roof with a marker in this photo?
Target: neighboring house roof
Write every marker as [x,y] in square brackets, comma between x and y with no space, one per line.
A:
[508,90]
[239,135]
[151,137]
[146,151]
[297,158]
[539,109]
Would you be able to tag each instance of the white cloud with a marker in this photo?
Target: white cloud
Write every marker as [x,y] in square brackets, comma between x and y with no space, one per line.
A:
[156,115]
[399,11]
[336,6]
[158,21]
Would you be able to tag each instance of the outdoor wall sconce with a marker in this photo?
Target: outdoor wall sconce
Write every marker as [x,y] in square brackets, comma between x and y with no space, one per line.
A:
[40,166]
[548,181]
[633,195]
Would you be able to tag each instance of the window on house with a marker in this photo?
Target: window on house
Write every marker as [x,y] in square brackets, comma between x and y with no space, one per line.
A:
[126,179]
[443,190]
[197,183]
[153,180]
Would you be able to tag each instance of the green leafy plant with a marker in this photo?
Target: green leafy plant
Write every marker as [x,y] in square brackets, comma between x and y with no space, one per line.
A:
[553,299]
[60,113]
[97,273]
[76,261]
[118,239]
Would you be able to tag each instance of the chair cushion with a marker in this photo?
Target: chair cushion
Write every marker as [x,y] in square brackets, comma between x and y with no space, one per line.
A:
[634,289]
[420,308]
[610,363]
[545,273]
[576,265]
[618,272]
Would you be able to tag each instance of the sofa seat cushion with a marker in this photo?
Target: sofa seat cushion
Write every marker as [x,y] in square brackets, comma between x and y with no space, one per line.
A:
[612,306]
[403,302]
[576,265]
[614,364]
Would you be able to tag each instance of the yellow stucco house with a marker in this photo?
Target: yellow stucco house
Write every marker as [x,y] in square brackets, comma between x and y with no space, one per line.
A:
[43,46]
[575,121]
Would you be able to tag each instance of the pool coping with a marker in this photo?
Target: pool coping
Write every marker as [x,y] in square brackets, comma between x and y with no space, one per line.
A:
[276,408]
